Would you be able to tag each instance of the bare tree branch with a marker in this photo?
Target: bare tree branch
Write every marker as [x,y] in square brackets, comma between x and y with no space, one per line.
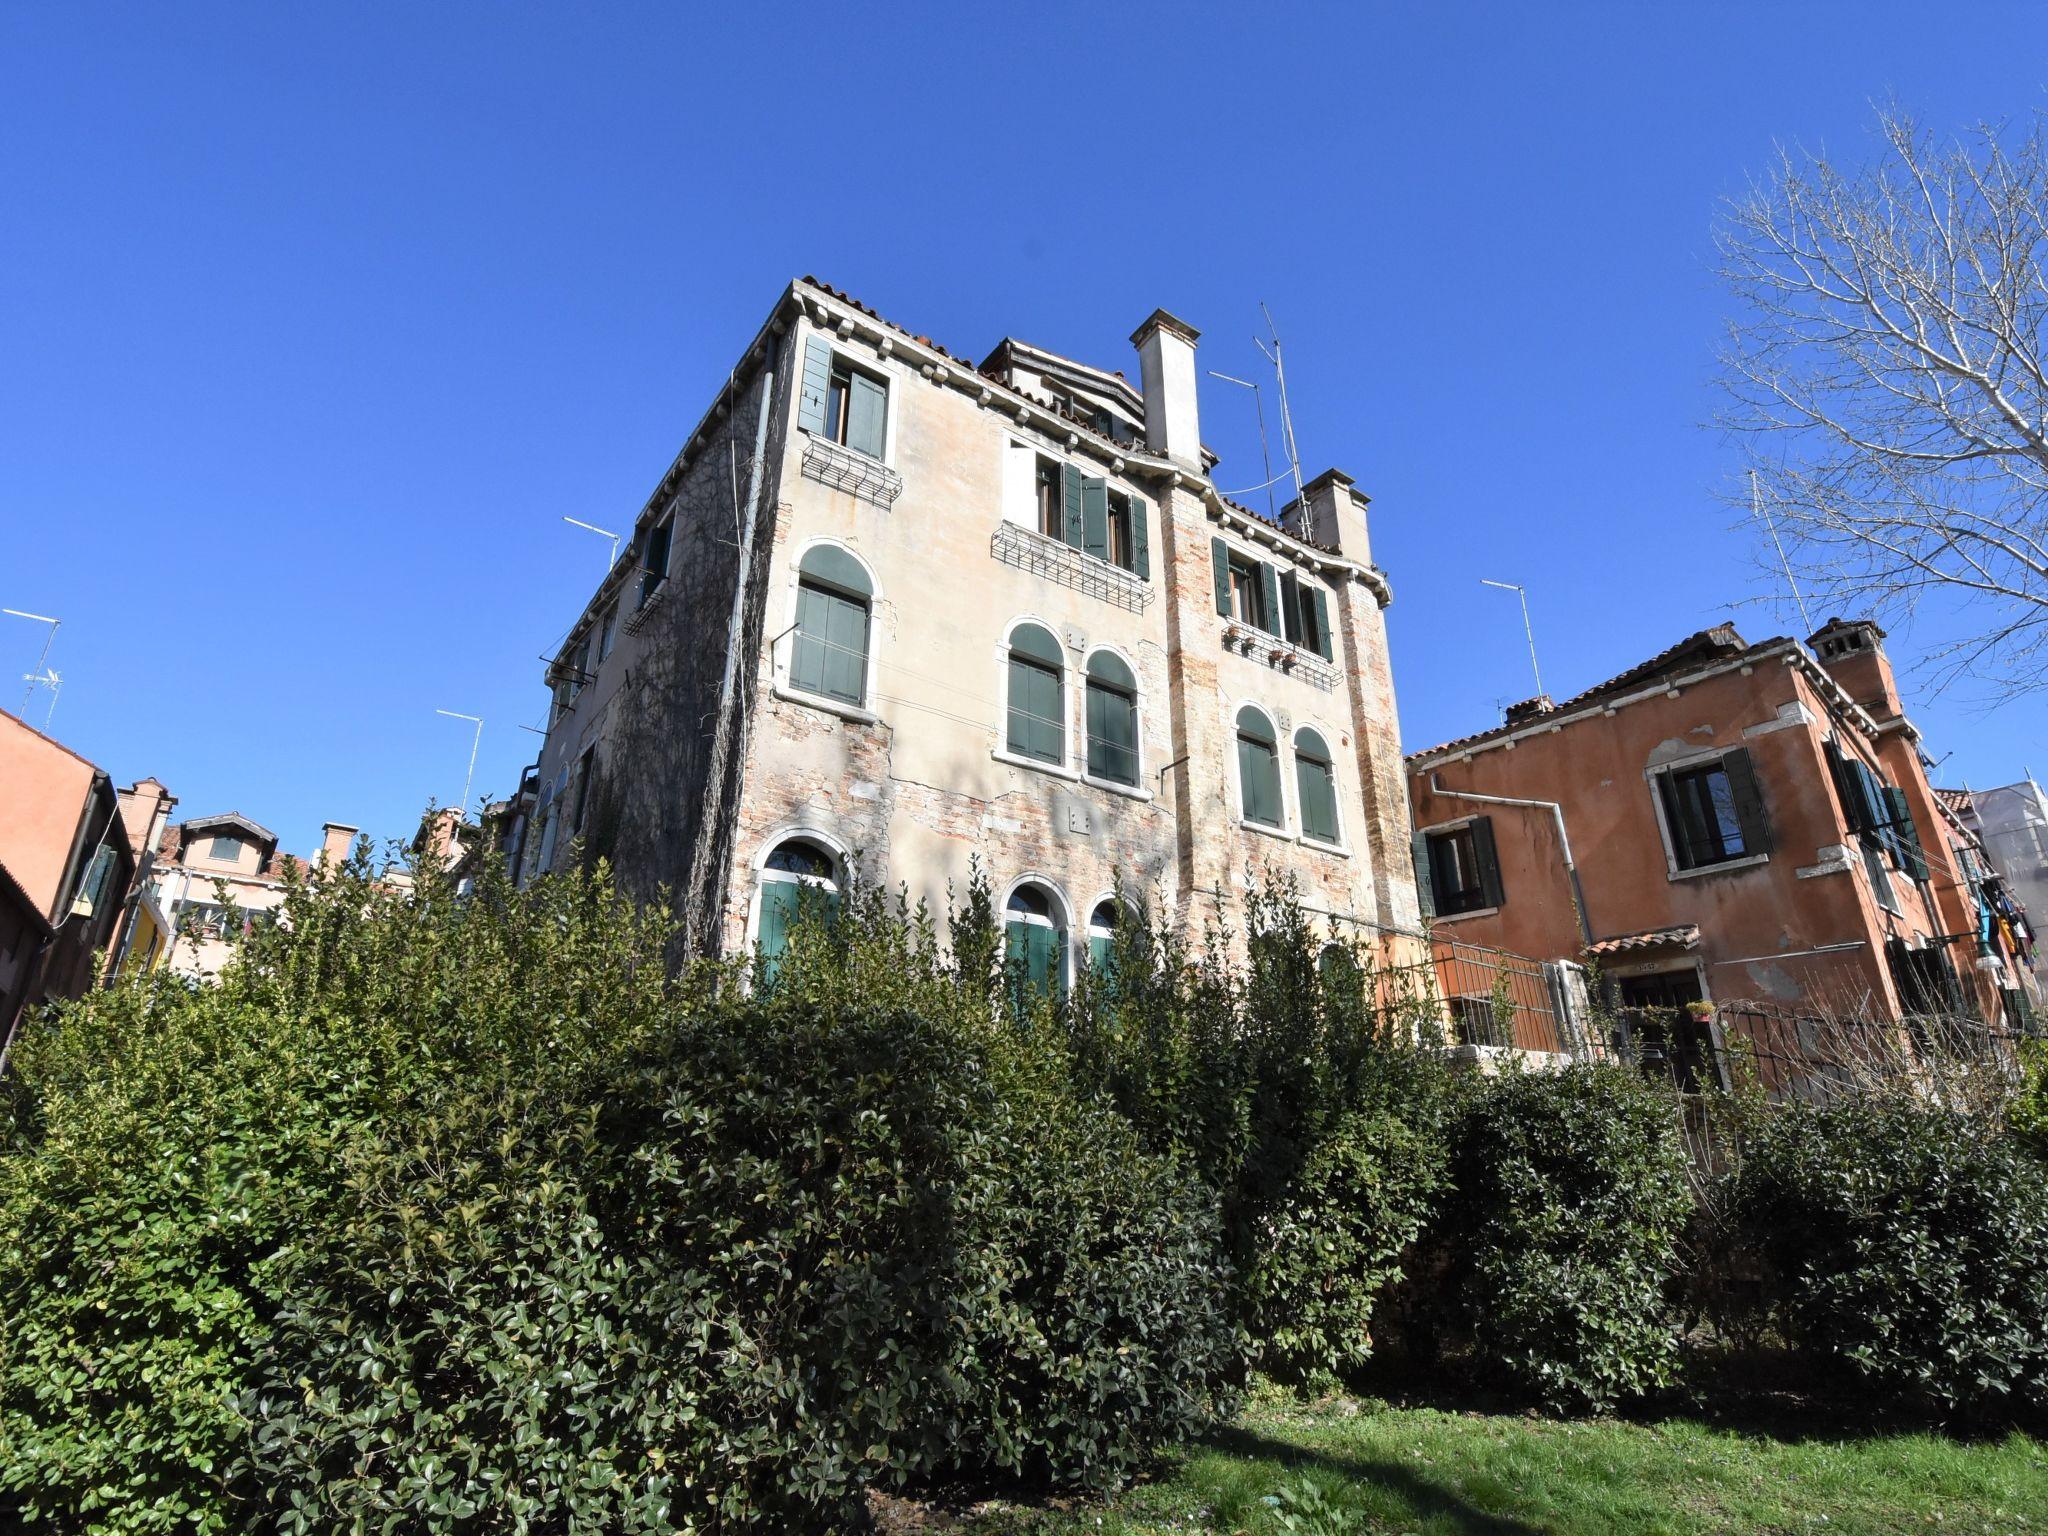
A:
[1888,374]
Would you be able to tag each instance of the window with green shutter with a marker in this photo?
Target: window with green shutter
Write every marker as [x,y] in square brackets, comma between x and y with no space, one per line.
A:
[829,653]
[1102,936]
[1037,707]
[1463,868]
[1258,769]
[799,884]
[1112,713]
[1316,781]
[654,569]
[1035,944]
[838,401]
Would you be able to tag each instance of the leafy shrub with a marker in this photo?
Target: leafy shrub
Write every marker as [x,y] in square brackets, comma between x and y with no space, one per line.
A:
[1563,1233]
[1907,1244]
[2027,1115]
[1358,1205]
[444,1215]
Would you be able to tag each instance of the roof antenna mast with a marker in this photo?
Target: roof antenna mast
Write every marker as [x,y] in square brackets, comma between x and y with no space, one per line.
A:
[43,673]
[1265,449]
[1527,629]
[1286,415]
[1756,509]
[474,743]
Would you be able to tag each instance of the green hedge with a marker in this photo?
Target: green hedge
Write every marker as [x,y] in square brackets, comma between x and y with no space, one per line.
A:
[1908,1245]
[1562,1235]
[449,1216]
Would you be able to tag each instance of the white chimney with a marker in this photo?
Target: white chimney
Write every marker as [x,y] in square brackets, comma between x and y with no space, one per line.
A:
[1166,357]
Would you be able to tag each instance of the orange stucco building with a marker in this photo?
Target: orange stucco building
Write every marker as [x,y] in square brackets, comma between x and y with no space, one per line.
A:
[1741,821]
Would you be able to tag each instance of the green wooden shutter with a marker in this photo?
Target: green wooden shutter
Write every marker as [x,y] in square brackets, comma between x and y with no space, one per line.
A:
[1141,543]
[778,916]
[1270,583]
[1101,952]
[1033,952]
[1489,861]
[1112,735]
[1070,500]
[1425,874]
[1912,855]
[1258,771]
[813,627]
[1322,624]
[1749,801]
[1219,553]
[1095,518]
[1035,715]
[867,409]
[1317,785]
[1290,607]
[846,656]
[815,385]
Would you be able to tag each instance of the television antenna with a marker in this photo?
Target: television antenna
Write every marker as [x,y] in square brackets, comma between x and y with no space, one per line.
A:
[604,532]
[1286,415]
[1265,452]
[475,741]
[1756,509]
[43,673]
[1523,593]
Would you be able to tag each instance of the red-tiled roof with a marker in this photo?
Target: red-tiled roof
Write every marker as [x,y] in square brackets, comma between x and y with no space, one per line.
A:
[1718,643]
[1683,936]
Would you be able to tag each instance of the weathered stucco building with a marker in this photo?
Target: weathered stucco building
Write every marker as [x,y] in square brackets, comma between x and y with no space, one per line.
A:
[1744,822]
[893,611]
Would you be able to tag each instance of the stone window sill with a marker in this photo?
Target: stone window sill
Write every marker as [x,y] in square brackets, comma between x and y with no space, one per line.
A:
[1459,917]
[1036,765]
[1337,850]
[1263,830]
[839,707]
[1726,866]
[1128,791]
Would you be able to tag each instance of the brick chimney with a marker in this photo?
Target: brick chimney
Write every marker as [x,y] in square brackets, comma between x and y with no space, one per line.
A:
[337,840]
[1852,653]
[1331,513]
[145,806]
[1166,358]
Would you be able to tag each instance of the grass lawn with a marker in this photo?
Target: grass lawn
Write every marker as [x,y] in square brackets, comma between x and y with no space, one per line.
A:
[1423,1470]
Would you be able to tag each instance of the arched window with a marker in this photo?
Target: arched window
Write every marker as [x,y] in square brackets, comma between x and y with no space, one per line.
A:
[1035,940]
[1112,719]
[832,600]
[1038,715]
[798,874]
[1315,778]
[1258,769]
[1102,934]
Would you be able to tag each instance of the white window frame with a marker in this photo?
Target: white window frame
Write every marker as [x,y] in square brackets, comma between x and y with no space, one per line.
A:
[1342,845]
[1065,768]
[763,876]
[1286,830]
[1651,774]
[1137,791]
[1062,906]
[873,367]
[782,653]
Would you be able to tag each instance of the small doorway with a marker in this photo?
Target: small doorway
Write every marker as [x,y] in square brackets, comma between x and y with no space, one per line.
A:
[1659,1031]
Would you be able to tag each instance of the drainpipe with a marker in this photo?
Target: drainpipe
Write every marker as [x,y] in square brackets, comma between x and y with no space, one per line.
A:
[1563,839]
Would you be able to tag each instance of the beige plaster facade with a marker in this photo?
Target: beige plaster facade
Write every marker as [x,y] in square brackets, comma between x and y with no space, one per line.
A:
[691,739]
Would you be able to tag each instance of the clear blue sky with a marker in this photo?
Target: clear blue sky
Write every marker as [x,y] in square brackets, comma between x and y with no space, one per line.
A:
[315,321]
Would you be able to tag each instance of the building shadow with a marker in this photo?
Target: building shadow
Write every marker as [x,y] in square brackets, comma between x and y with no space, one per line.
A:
[1426,1498]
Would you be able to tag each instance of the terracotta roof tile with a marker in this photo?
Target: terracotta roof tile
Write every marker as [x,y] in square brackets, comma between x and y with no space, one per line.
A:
[1684,936]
